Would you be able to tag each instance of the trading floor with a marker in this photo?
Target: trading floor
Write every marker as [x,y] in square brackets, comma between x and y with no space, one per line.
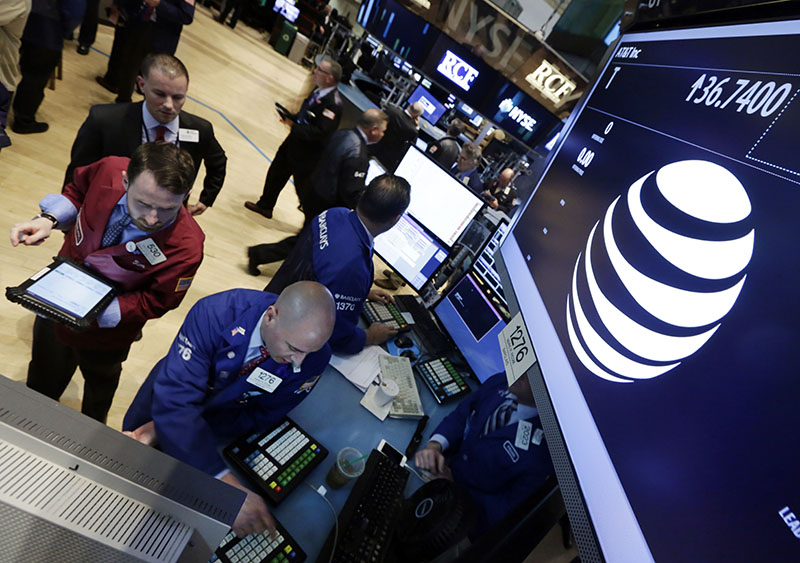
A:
[235,80]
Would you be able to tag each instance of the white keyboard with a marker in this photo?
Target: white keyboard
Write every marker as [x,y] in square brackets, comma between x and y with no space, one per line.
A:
[407,404]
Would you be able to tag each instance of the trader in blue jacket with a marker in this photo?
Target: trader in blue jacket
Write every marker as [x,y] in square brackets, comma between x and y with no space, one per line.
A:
[336,250]
[240,362]
[495,448]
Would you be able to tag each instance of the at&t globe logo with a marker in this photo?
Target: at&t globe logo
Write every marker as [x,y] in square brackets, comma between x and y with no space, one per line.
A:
[649,324]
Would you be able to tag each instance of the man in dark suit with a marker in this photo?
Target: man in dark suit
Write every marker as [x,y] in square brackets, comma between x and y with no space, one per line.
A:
[466,168]
[402,130]
[445,150]
[338,181]
[117,129]
[312,126]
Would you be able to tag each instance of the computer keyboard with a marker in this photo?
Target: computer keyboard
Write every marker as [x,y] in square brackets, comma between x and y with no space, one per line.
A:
[407,404]
[277,460]
[259,548]
[386,313]
[431,337]
[368,518]
[443,379]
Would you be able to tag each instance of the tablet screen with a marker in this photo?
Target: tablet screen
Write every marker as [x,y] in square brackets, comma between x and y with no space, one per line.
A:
[70,289]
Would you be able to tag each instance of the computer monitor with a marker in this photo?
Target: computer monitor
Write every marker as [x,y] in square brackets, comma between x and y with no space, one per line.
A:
[374,170]
[287,9]
[656,269]
[411,251]
[474,323]
[441,203]
[431,106]
[398,28]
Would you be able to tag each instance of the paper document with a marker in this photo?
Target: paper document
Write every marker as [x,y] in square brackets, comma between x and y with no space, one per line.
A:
[360,369]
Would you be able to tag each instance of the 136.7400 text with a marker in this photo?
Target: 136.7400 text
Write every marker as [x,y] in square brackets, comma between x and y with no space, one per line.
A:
[751,97]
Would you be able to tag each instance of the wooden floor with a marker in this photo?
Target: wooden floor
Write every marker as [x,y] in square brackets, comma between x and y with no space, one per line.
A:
[235,80]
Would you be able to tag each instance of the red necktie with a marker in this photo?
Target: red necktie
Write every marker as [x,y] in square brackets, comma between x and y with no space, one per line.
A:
[248,368]
[160,132]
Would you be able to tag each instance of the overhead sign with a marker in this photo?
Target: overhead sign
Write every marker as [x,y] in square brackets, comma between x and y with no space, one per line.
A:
[552,83]
[508,106]
[456,69]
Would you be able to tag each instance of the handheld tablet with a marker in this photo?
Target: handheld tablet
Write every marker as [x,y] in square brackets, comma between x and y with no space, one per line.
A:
[65,292]
[284,113]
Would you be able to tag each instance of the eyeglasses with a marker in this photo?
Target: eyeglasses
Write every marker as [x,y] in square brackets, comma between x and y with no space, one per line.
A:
[323,71]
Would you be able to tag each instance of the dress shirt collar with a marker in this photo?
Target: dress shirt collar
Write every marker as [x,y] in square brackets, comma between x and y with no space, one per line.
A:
[319,93]
[363,135]
[255,340]
[366,230]
[150,123]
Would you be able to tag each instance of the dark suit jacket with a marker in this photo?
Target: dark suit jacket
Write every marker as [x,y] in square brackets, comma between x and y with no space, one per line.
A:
[313,126]
[116,130]
[338,179]
[400,132]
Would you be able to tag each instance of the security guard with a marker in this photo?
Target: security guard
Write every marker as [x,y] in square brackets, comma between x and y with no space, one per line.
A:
[242,359]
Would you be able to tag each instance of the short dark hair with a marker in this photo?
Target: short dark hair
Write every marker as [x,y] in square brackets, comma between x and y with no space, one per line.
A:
[386,197]
[171,166]
[169,65]
[456,128]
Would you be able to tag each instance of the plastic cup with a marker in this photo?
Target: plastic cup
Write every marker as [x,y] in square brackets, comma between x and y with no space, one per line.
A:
[346,468]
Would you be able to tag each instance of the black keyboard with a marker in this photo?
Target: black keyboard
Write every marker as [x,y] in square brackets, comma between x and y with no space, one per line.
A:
[277,460]
[431,337]
[367,520]
[443,379]
[259,548]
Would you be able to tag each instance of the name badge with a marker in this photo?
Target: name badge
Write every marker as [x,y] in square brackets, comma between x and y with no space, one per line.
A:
[188,135]
[524,431]
[151,251]
[263,379]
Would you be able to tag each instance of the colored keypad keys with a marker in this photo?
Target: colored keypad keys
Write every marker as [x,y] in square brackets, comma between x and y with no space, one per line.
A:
[385,313]
[443,379]
[277,460]
[259,548]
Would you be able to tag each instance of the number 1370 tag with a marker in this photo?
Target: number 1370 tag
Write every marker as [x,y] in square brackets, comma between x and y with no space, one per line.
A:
[515,344]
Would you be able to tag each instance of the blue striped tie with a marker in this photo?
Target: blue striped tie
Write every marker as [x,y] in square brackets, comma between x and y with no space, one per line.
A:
[113,234]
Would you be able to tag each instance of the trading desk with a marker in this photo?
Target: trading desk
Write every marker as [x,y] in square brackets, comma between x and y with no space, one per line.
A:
[332,415]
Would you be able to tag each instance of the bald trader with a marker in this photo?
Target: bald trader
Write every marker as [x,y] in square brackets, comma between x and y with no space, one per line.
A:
[242,359]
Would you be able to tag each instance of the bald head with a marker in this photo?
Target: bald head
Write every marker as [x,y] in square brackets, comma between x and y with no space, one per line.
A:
[300,322]
[416,109]
[505,177]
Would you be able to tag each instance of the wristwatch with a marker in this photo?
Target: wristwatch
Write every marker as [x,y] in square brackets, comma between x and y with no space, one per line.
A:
[49,216]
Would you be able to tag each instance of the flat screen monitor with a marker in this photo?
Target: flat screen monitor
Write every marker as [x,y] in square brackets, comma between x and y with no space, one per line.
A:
[519,114]
[474,323]
[411,251]
[287,9]
[433,109]
[656,267]
[441,203]
[398,28]
[374,170]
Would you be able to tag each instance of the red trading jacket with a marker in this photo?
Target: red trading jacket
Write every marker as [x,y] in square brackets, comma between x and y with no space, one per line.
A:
[148,291]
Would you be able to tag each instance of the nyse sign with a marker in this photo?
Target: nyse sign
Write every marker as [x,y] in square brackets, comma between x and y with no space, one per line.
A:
[553,85]
[457,70]
[515,113]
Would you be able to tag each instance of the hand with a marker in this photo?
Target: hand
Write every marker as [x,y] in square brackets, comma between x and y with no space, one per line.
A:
[493,203]
[31,233]
[378,333]
[253,517]
[153,3]
[146,434]
[285,120]
[380,295]
[196,208]
[430,459]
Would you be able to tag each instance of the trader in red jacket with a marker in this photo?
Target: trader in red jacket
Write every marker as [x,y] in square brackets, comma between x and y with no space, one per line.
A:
[125,219]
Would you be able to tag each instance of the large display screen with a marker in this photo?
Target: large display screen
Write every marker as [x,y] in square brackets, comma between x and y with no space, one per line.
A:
[403,32]
[441,203]
[656,267]
[519,114]
[411,251]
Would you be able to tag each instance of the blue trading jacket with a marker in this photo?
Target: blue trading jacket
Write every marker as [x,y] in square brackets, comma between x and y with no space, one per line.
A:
[497,474]
[192,421]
